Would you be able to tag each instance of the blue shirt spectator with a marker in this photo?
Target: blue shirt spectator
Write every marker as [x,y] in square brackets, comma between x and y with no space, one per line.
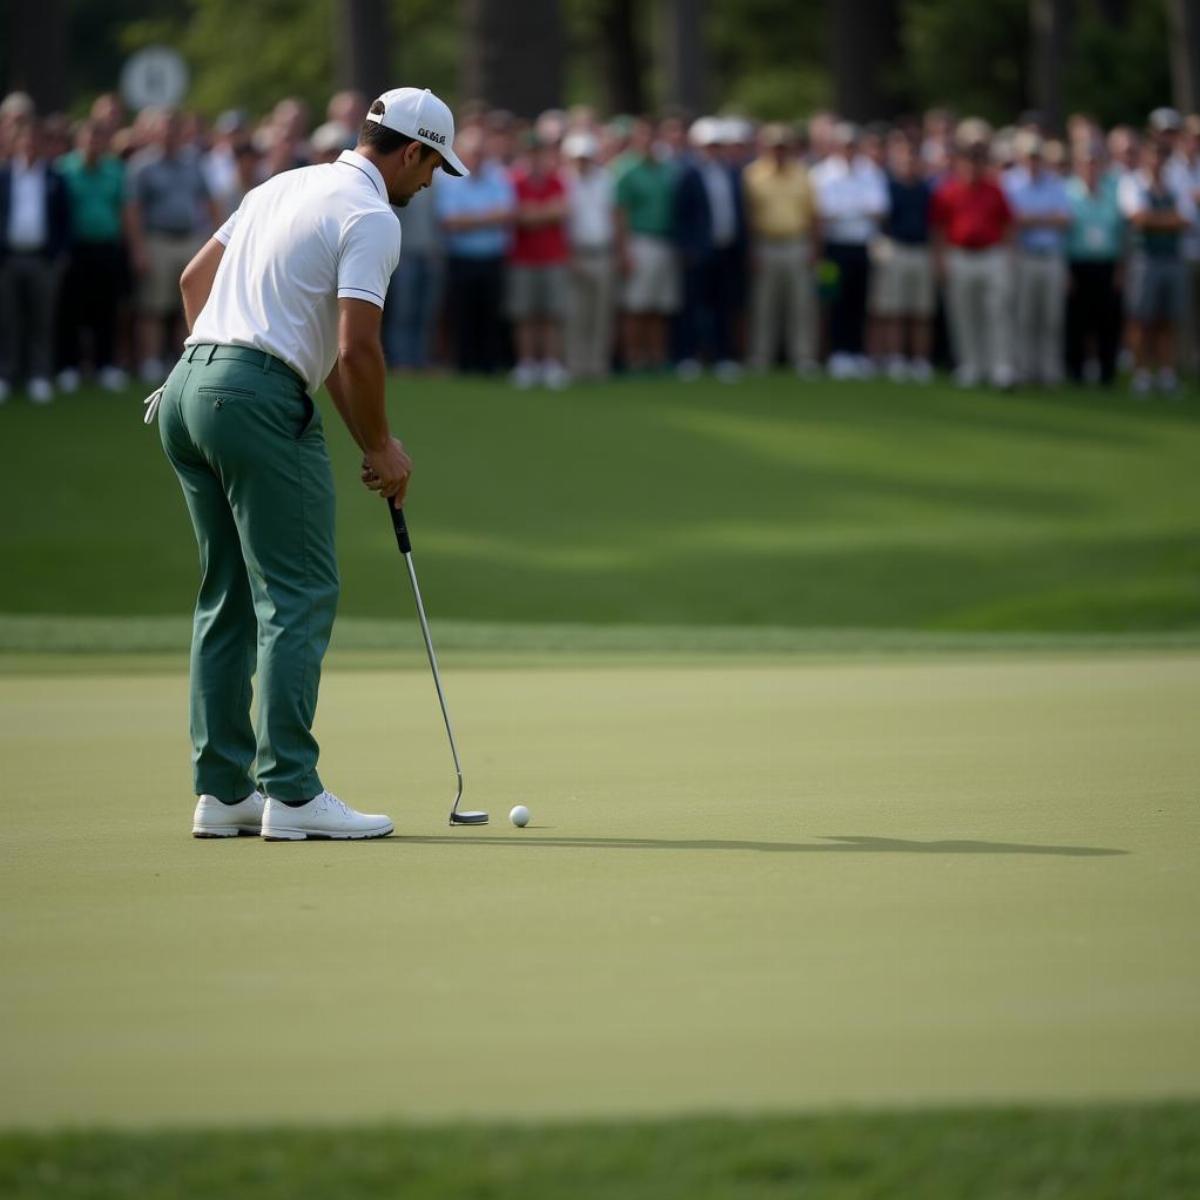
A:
[484,191]
[1043,194]
[1097,230]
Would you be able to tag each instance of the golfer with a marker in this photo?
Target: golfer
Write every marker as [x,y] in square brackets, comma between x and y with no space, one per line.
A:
[287,295]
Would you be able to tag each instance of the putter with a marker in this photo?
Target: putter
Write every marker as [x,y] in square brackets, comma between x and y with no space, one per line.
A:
[471,817]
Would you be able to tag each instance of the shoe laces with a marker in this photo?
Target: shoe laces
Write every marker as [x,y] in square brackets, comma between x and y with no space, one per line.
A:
[329,800]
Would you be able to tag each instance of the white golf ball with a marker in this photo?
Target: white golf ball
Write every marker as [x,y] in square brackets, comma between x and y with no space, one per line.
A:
[519,816]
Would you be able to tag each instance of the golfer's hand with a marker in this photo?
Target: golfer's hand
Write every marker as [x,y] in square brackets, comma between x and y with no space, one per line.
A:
[387,471]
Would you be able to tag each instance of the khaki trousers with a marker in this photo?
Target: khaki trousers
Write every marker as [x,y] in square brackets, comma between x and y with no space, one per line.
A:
[782,301]
[591,303]
[978,292]
[1041,308]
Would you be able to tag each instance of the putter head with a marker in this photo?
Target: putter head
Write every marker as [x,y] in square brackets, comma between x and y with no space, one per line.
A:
[468,818]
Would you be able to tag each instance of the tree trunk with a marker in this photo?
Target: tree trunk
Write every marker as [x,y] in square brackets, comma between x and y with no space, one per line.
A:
[621,56]
[362,46]
[37,47]
[1183,25]
[513,54]
[685,66]
[1050,25]
[865,58]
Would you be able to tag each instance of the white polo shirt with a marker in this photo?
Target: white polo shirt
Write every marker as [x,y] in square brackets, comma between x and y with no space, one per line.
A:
[295,246]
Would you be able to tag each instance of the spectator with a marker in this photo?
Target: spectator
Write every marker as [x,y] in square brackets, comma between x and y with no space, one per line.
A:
[592,234]
[645,192]
[96,271]
[1183,175]
[709,223]
[903,294]
[537,270]
[35,225]
[1159,216]
[220,163]
[781,214]
[973,221]
[476,214]
[852,201]
[347,108]
[329,140]
[168,214]
[1043,212]
[1094,248]
[415,291]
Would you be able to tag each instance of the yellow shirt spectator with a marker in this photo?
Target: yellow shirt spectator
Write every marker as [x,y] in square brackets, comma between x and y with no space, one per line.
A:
[779,198]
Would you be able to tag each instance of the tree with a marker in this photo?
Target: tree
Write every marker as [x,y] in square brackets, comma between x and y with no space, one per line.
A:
[363,42]
[514,54]
[865,57]
[1183,20]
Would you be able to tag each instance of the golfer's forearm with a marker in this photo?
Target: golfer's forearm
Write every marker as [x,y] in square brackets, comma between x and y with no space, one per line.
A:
[333,385]
[361,375]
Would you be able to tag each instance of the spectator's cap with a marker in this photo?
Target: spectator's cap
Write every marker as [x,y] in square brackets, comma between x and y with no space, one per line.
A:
[333,135]
[18,105]
[735,131]
[232,120]
[419,114]
[705,131]
[581,145]
[973,134]
[775,134]
[1166,120]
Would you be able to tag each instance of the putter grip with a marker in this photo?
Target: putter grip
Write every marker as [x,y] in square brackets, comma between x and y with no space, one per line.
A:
[400,526]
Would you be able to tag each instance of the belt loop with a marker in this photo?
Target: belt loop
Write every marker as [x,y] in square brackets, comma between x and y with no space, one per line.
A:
[192,353]
[212,350]
[266,362]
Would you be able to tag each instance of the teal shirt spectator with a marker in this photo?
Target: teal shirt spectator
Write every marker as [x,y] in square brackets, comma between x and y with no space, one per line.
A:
[1097,229]
[96,194]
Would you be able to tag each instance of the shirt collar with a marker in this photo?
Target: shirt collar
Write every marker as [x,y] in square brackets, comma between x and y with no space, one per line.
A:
[352,158]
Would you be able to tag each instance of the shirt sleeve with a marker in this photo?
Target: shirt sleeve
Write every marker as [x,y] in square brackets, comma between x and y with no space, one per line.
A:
[368,255]
[224,234]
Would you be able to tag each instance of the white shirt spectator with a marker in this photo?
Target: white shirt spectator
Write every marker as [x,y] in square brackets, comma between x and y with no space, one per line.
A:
[591,200]
[27,214]
[1132,189]
[296,245]
[852,198]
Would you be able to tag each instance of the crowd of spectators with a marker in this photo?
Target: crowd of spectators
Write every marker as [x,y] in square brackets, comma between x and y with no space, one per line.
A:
[580,246]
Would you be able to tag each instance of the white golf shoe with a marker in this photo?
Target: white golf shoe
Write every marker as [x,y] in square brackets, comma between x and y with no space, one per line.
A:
[324,817]
[213,819]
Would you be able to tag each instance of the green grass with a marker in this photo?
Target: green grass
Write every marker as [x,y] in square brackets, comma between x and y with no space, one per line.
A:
[769,505]
[746,888]
[1107,1153]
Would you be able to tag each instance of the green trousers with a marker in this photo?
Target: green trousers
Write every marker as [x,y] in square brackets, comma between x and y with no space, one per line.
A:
[247,444]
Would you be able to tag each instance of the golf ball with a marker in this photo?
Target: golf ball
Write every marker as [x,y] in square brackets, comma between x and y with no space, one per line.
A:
[519,816]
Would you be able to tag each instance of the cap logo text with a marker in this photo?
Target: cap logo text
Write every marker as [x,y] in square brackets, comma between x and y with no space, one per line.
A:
[440,138]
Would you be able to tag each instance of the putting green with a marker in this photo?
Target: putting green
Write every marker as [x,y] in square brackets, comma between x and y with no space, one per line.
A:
[745,887]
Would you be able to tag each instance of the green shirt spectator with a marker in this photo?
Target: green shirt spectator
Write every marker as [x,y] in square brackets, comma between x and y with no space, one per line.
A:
[1097,229]
[644,194]
[96,192]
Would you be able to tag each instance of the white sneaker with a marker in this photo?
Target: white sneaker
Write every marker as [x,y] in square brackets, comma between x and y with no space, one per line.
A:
[526,375]
[555,375]
[920,370]
[689,370]
[864,368]
[897,369]
[1143,382]
[841,366]
[213,819]
[1168,381]
[41,391]
[324,817]
[728,371]
[113,379]
[68,380]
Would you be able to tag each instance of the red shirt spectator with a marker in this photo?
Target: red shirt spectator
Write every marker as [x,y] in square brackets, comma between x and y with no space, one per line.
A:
[972,214]
[538,243]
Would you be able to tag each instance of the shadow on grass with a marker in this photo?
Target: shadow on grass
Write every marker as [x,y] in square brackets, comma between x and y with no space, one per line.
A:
[836,845]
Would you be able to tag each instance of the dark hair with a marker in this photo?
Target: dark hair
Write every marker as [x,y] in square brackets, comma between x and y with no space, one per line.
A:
[379,137]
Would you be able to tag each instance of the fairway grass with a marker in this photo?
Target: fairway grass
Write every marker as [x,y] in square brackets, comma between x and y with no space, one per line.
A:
[1107,1153]
[746,889]
[770,505]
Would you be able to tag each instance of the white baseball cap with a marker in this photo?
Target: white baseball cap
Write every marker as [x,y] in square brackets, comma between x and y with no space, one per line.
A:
[418,113]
